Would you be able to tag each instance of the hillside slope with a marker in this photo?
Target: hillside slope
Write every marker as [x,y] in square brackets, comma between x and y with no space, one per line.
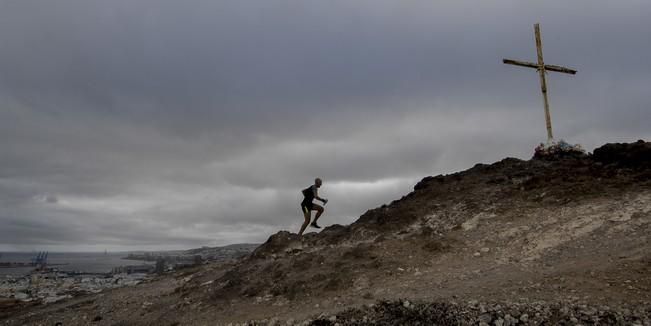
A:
[562,239]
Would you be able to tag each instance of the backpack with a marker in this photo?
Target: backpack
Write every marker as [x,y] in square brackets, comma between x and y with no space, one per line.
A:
[308,192]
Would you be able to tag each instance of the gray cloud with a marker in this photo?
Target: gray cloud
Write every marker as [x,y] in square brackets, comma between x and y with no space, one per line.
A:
[143,125]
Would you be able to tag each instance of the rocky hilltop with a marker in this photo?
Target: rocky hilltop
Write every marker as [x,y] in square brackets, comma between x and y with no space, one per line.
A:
[551,240]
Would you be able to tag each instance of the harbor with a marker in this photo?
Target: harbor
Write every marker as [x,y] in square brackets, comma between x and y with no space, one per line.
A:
[50,277]
[39,261]
[46,278]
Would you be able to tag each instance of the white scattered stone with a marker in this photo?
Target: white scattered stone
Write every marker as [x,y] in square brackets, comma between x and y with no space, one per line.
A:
[477,254]
[207,283]
[485,249]
[470,224]
[21,296]
[56,298]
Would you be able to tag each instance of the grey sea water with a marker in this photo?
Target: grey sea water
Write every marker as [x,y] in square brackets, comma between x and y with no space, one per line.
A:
[88,262]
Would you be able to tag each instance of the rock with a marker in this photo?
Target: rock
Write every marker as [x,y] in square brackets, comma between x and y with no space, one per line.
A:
[406,304]
[634,154]
[509,320]
[471,223]
[485,318]
[332,319]
[21,296]
[477,254]
[56,298]
[524,318]
[485,249]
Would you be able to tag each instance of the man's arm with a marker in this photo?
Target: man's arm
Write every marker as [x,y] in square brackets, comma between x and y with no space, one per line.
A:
[316,196]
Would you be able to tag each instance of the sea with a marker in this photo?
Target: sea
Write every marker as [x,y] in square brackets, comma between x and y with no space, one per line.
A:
[86,262]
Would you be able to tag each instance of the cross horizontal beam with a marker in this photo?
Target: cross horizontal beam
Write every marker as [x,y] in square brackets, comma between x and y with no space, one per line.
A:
[536,66]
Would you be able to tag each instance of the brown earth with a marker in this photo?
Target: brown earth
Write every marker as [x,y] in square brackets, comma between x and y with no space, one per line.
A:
[552,237]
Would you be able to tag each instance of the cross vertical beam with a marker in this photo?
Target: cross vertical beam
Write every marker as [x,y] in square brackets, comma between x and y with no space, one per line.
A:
[542,70]
[543,83]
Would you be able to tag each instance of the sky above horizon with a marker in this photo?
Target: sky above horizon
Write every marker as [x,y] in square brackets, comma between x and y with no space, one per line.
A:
[155,125]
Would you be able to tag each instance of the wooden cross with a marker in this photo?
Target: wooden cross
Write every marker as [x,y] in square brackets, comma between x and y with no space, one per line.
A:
[542,68]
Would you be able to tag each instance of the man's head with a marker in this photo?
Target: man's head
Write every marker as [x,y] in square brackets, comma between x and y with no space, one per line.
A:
[318,182]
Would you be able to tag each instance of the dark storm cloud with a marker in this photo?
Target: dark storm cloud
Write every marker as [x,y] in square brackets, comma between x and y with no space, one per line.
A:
[144,124]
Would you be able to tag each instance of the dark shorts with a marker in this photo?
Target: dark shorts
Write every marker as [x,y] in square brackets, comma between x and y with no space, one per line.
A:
[306,207]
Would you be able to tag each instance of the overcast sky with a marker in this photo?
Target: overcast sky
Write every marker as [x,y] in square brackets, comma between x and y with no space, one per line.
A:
[142,124]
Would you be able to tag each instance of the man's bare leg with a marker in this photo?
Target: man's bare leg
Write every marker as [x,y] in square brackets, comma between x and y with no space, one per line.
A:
[319,211]
[307,216]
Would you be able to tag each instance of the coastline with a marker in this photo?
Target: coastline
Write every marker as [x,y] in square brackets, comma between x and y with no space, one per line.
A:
[64,275]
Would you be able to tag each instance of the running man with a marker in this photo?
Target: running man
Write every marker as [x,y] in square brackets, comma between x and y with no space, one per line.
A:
[307,206]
